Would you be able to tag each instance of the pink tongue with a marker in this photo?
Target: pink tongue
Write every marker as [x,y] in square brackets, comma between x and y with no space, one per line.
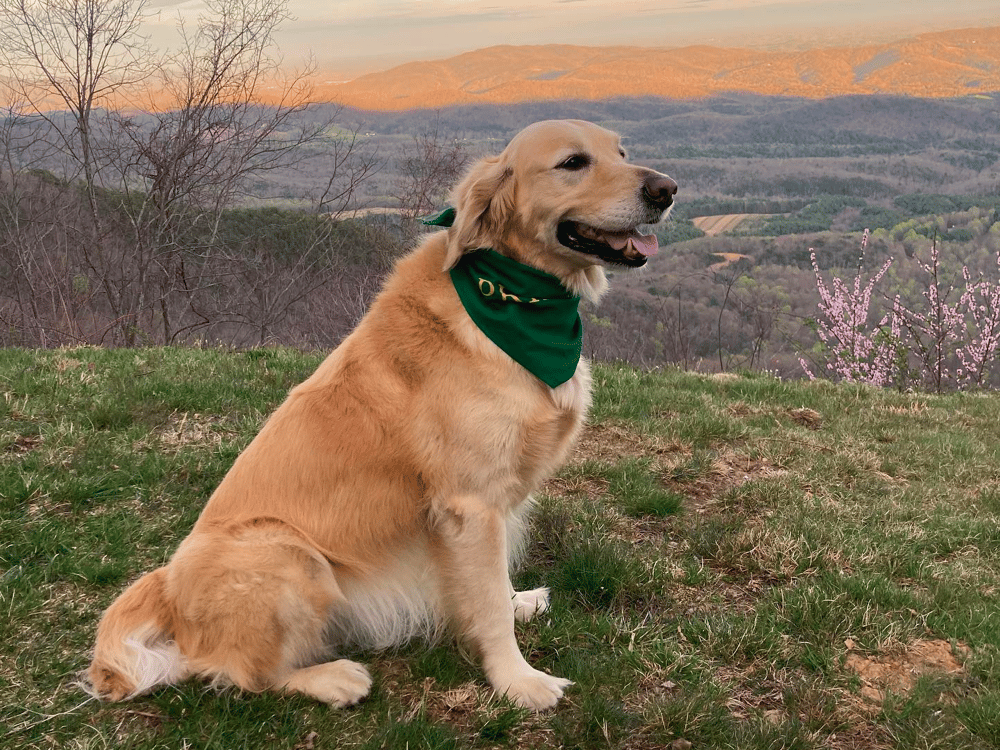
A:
[647,244]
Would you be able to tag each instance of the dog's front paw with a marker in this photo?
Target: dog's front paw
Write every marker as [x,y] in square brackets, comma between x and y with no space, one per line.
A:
[347,683]
[533,689]
[339,683]
[527,604]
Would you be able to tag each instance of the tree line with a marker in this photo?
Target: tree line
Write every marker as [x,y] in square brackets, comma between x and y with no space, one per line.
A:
[129,225]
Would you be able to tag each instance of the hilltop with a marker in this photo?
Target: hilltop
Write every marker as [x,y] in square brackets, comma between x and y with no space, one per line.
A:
[950,63]
[734,561]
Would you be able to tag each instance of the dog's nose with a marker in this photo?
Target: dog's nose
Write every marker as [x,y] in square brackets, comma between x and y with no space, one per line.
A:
[659,190]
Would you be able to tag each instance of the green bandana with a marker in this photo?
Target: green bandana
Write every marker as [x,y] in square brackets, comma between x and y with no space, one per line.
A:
[528,313]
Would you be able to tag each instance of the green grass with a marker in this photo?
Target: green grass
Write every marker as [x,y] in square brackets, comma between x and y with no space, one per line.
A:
[711,555]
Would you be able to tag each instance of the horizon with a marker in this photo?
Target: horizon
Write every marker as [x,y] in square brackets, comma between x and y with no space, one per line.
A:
[790,57]
[348,38]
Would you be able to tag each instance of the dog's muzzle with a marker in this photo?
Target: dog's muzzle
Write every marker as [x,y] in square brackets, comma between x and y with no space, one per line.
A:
[626,246]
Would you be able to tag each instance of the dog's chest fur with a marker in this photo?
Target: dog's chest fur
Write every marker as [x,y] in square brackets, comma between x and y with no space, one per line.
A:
[515,430]
[415,407]
[550,435]
[467,408]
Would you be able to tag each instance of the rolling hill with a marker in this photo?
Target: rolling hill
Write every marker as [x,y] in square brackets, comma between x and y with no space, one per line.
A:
[941,64]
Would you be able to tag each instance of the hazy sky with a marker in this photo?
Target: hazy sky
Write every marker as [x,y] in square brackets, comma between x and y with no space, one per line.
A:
[348,36]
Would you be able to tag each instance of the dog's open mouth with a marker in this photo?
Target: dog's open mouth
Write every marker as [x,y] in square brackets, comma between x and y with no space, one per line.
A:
[627,248]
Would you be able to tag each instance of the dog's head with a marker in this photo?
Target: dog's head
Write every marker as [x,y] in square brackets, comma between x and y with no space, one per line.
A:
[561,197]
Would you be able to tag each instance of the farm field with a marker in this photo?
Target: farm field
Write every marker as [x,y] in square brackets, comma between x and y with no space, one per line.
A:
[715,225]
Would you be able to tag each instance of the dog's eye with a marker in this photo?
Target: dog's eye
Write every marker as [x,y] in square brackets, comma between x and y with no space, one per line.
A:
[622,152]
[574,163]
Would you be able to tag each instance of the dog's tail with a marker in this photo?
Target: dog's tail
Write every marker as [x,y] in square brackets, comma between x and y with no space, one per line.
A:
[135,650]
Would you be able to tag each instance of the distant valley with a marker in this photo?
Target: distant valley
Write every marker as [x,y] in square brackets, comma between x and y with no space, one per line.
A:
[789,174]
[740,146]
[764,179]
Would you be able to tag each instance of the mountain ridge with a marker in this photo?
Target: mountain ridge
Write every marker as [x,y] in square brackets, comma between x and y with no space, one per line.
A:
[938,64]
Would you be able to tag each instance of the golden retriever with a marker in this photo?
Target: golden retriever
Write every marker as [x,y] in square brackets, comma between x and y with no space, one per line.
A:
[386,497]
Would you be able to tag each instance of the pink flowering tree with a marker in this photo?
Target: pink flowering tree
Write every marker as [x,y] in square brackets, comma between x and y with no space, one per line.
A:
[949,337]
[860,350]
[980,348]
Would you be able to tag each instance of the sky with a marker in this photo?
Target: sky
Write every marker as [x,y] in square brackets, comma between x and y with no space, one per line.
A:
[349,37]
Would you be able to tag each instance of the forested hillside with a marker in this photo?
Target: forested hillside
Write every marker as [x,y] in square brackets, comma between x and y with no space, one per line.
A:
[791,175]
[740,145]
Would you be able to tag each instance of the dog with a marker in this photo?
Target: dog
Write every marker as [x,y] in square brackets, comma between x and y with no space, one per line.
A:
[386,497]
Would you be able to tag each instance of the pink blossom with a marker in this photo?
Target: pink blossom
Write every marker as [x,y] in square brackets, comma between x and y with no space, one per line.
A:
[950,343]
[860,352]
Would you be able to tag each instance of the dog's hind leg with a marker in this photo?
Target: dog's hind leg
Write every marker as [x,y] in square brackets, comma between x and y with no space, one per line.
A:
[470,547]
[527,604]
[254,602]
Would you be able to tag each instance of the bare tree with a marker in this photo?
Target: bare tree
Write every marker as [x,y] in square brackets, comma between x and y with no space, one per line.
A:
[348,169]
[40,293]
[73,56]
[65,60]
[181,166]
[159,183]
[727,274]
[435,162]
[760,314]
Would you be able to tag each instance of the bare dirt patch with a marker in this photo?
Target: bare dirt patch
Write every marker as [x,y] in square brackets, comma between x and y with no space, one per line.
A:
[588,487]
[898,672]
[727,471]
[719,595]
[610,442]
[464,707]
[23,444]
[806,417]
[453,705]
[728,259]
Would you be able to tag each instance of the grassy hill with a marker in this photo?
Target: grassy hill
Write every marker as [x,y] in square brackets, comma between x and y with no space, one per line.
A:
[735,562]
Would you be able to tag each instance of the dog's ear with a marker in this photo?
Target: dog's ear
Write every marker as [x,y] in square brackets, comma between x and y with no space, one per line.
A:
[484,203]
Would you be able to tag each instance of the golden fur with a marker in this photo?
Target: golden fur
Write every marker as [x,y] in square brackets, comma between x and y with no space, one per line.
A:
[384,498]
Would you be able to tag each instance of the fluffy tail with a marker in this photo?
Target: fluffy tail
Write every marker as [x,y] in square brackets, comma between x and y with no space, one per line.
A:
[135,651]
